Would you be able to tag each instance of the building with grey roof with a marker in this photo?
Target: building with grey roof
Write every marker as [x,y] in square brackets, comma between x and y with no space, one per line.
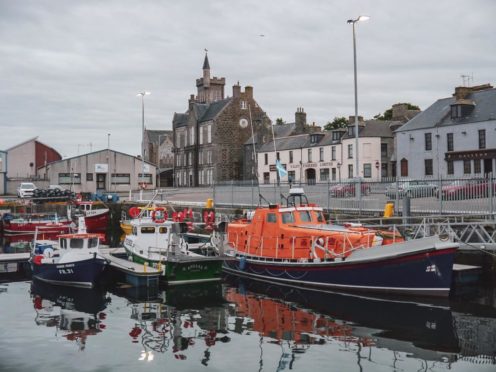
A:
[315,156]
[159,146]
[453,137]
[209,136]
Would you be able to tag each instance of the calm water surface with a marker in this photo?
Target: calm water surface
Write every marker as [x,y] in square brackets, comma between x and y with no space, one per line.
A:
[238,326]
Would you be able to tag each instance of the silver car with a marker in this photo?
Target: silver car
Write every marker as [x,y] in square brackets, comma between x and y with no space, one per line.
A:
[26,190]
[412,189]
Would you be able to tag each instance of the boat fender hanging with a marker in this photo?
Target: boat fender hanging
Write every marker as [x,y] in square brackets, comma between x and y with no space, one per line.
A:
[134,212]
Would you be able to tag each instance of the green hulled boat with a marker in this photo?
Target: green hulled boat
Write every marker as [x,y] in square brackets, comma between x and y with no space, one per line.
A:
[159,244]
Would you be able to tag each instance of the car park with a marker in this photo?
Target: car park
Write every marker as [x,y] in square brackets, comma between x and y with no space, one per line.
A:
[345,190]
[26,190]
[411,189]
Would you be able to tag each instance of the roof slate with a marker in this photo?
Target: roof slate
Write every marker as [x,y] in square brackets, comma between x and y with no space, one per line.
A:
[439,113]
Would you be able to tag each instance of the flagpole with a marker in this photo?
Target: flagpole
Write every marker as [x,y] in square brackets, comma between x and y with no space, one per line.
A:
[255,157]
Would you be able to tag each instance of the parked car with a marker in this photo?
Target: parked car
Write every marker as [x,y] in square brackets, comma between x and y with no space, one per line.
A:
[466,189]
[26,190]
[412,189]
[344,190]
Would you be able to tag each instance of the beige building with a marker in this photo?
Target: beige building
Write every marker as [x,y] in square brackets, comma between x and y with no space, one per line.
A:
[99,171]
[3,172]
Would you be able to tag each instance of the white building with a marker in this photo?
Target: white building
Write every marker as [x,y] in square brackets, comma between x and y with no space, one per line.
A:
[104,170]
[329,156]
[454,137]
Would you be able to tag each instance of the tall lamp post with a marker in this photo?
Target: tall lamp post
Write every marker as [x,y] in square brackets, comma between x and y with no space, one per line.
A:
[353,21]
[158,160]
[142,94]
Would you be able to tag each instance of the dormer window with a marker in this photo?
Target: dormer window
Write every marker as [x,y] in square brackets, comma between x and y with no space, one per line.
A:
[315,138]
[351,131]
[461,109]
[336,136]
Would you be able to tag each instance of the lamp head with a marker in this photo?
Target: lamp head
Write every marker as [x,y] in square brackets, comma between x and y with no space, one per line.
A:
[359,19]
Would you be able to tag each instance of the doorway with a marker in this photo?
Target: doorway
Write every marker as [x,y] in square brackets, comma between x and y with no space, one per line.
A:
[488,166]
[101,183]
[310,175]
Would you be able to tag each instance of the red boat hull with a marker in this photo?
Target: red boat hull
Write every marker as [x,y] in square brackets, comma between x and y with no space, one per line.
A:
[97,223]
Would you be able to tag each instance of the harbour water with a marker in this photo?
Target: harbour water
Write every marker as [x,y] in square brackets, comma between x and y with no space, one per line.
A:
[240,325]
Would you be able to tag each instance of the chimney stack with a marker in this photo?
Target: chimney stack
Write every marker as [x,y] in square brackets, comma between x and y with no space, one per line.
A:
[249,92]
[300,120]
[236,90]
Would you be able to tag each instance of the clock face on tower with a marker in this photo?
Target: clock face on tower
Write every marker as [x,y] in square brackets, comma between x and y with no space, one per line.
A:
[243,123]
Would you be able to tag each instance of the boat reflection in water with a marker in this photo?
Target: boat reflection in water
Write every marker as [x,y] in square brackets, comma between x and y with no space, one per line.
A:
[75,313]
[177,320]
[296,319]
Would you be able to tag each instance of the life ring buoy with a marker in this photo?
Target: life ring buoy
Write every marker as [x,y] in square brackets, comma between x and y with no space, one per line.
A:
[159,215]
[134,212]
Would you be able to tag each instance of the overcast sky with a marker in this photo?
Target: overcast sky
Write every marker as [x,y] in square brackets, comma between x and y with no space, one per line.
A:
[70,70]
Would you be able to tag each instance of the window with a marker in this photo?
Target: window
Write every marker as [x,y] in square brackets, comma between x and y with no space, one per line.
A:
[209,157]
[350,151]
[209,134]
[201,135]
[477,166]
[121,178]
[290,157]
[162,230]
[200,157]
[147,179]
[350,170]
[482,138]
[309,155]
[69,178]
[291,175]
[449,141]
[271,217]
[266,159]
[321,154]
[367,170]
[351,131]
[243,105]
[266,176]
[192,136]
[467,168]
[428,141]
[384,150]
[333,152]
[287,217]
[148,230]
[76,243]
[324,174]
[428,171]
[305,216]
[333,174]
[277,156]
[336,136]
[393,169]
[450,167]
[89,176]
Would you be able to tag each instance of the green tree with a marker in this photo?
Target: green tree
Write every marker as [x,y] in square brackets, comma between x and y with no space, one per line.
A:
[280,121]
[338,122]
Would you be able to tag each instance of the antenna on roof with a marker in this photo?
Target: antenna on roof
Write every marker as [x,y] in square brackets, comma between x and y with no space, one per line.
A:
[467,79]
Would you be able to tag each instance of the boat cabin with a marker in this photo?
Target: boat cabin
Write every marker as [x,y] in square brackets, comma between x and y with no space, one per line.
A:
[296,230]
[79,241]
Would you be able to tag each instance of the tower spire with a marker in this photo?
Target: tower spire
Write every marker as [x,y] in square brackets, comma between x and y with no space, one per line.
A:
[206,65]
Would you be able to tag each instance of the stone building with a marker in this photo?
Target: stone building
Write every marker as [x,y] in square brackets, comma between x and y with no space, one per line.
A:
[209,136]
[159,146]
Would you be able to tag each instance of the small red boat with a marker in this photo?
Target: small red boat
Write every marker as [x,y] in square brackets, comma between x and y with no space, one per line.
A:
[48,224]
[96,215]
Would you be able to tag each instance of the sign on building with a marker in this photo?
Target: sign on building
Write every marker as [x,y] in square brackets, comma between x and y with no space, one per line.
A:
[101,168]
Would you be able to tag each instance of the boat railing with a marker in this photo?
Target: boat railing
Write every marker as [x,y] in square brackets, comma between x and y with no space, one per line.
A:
[258,246]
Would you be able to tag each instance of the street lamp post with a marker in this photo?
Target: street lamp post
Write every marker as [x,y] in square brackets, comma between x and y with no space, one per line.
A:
[353,21]
[142,94]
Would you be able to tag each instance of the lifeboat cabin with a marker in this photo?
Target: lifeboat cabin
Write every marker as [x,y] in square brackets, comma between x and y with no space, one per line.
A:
[297,230]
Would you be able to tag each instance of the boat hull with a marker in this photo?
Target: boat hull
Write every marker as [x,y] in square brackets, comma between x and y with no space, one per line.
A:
[29,228]
[427,272]
[183,269]
[97,223]
[78,274]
